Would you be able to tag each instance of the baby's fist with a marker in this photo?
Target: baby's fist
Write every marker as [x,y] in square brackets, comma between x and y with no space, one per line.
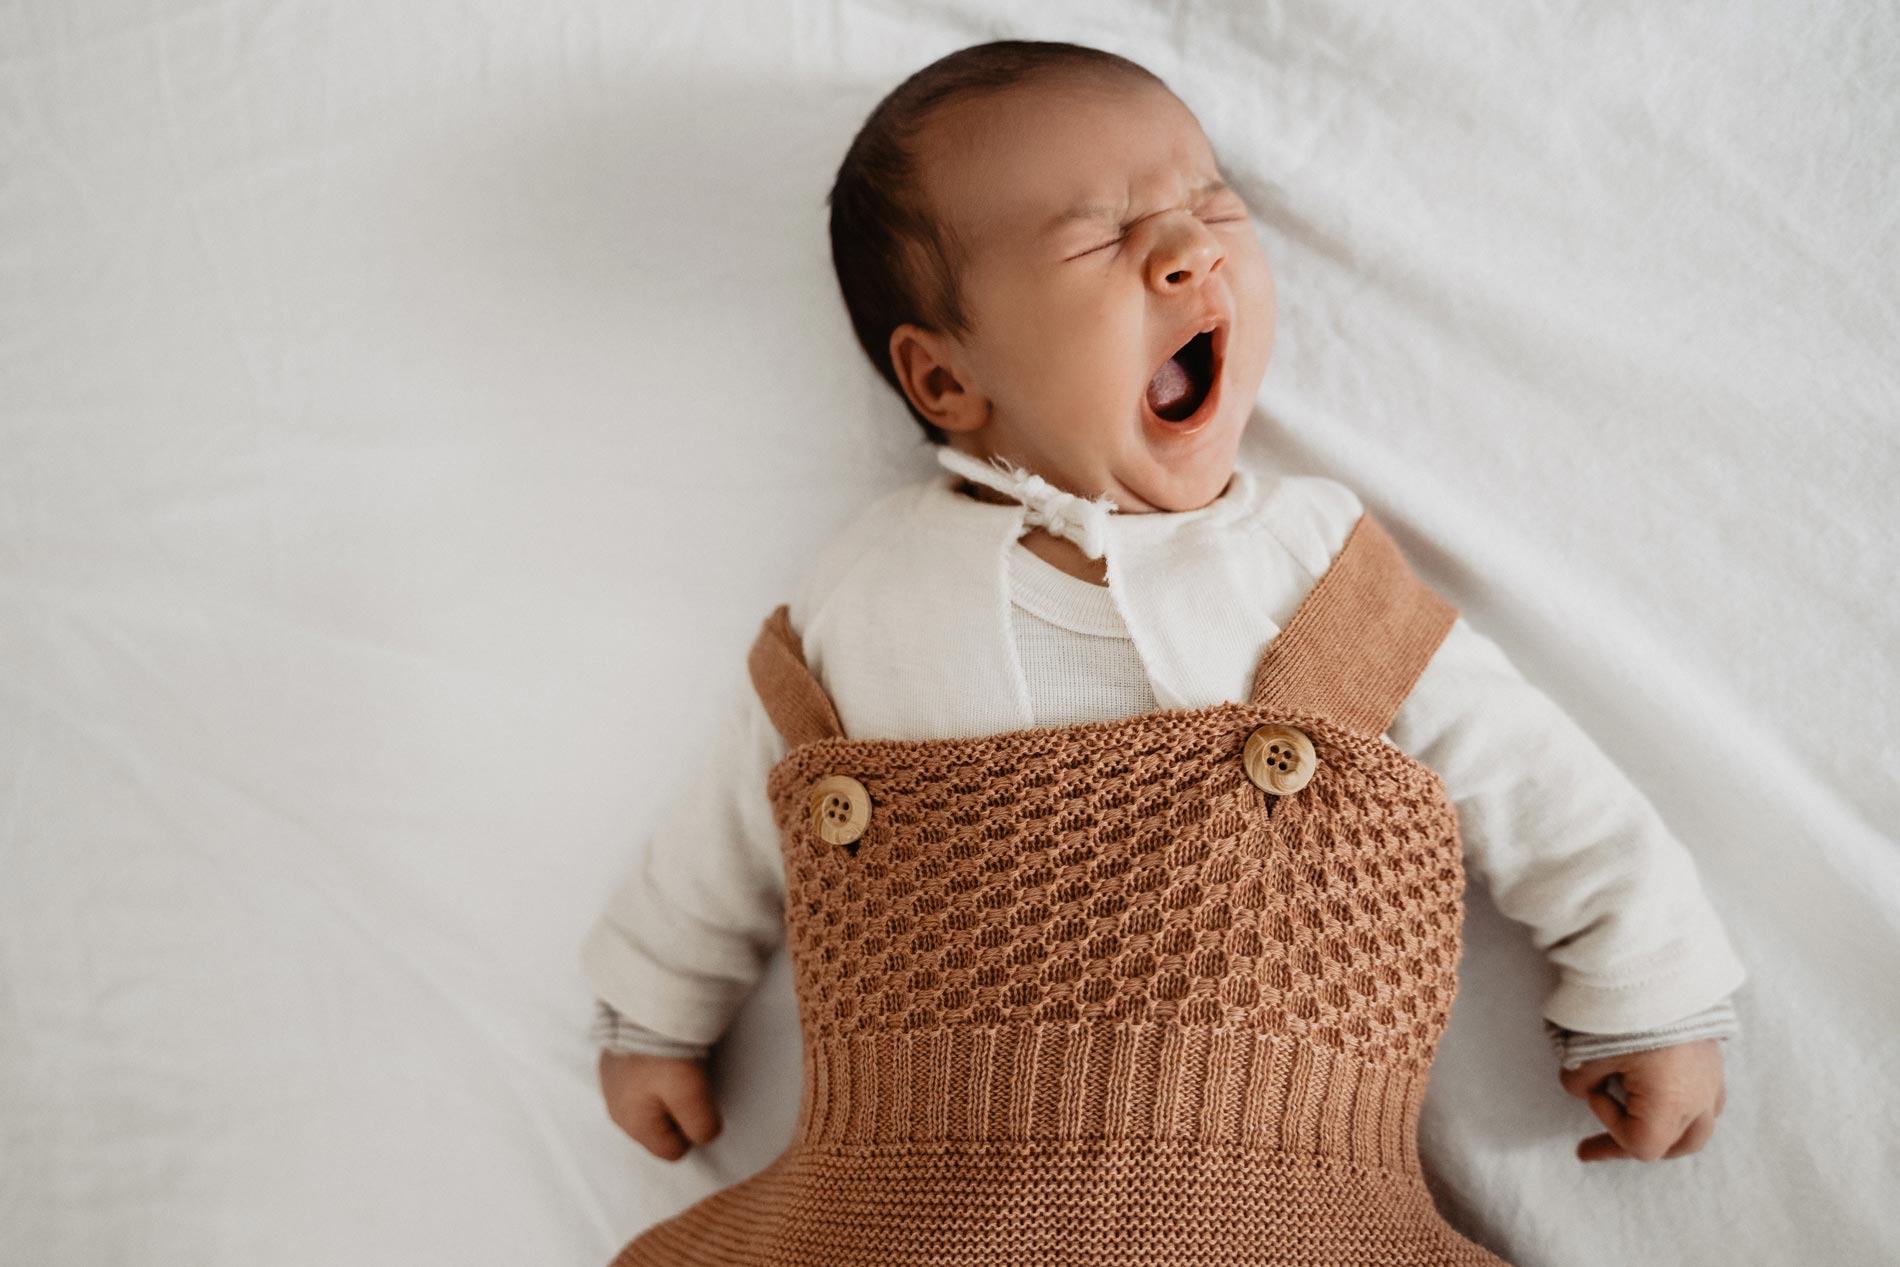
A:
[1672,1097]
[664,1102]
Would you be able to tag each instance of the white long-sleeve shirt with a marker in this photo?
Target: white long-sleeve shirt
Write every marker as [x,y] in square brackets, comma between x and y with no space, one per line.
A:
[926,618]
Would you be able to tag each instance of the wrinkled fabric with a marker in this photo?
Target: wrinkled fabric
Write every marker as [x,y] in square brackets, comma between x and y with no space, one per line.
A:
[406,411]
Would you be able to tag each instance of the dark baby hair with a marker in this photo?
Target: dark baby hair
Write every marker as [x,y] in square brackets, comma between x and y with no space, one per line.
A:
[895,262]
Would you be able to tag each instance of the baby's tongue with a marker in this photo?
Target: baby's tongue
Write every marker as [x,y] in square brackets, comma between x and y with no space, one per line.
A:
[1169,387]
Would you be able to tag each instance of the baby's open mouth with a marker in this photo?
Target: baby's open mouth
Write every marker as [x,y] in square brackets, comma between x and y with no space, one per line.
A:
[1182,383]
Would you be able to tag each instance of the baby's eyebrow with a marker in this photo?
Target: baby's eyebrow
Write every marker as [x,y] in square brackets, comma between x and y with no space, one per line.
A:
[1103,211]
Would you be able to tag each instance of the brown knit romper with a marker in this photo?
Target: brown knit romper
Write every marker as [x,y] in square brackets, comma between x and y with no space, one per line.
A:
[1087,995]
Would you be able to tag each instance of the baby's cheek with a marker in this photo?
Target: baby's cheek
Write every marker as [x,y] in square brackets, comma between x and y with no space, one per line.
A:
[1265,314]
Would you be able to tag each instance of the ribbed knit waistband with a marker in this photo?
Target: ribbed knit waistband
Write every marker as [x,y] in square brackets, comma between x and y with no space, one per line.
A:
[1059,1203]
[1148,1080]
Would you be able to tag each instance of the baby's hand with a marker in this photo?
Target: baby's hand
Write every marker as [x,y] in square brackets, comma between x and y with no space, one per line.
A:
[664,1102]
[1673,1096]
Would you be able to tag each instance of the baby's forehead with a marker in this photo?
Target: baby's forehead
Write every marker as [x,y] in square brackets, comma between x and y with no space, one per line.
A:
[1013,165]
[1030,118]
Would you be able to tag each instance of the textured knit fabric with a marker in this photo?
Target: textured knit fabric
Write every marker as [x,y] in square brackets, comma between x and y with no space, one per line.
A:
[1081,665]
[1086,995]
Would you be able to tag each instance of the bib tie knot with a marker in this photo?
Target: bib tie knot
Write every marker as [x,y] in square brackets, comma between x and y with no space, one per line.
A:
[1083,520]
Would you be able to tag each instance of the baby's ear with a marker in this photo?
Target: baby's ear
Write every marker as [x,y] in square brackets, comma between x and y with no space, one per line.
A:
[931,377]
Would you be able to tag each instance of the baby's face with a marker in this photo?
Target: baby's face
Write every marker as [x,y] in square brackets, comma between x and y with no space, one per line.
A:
[1074,314]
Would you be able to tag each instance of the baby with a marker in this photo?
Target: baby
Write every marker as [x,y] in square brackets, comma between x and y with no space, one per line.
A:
[1115,798]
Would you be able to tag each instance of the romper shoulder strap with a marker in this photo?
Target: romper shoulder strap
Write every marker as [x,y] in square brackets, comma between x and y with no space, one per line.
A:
[793,699]
[1359,640]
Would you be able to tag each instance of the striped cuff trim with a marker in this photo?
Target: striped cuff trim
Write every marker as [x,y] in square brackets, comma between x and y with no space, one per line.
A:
[616,1033]
[1575,1047]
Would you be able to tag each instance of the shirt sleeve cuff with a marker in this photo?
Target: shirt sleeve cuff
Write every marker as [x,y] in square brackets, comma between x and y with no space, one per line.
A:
[1684,977]
[616,1033]
[685,1006]
[1575,1047]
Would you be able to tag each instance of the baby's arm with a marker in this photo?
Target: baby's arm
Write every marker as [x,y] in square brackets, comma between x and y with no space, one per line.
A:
[686,935]
[1569,847]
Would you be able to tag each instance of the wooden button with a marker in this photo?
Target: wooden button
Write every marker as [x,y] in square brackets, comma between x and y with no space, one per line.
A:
[840,809]
[1280,759]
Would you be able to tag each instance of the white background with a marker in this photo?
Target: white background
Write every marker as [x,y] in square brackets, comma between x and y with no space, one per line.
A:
[408,413]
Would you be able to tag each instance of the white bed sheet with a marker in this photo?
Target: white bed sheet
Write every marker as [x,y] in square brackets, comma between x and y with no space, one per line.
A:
[408,413]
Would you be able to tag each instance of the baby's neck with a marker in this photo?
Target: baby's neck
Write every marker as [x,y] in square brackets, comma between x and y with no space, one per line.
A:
[1057,551]
[1066,555]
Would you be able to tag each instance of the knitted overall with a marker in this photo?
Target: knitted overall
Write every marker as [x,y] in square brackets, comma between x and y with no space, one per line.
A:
[1088,995]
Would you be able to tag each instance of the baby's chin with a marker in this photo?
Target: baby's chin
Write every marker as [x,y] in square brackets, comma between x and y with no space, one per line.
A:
[1164,473]
[1165,484]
